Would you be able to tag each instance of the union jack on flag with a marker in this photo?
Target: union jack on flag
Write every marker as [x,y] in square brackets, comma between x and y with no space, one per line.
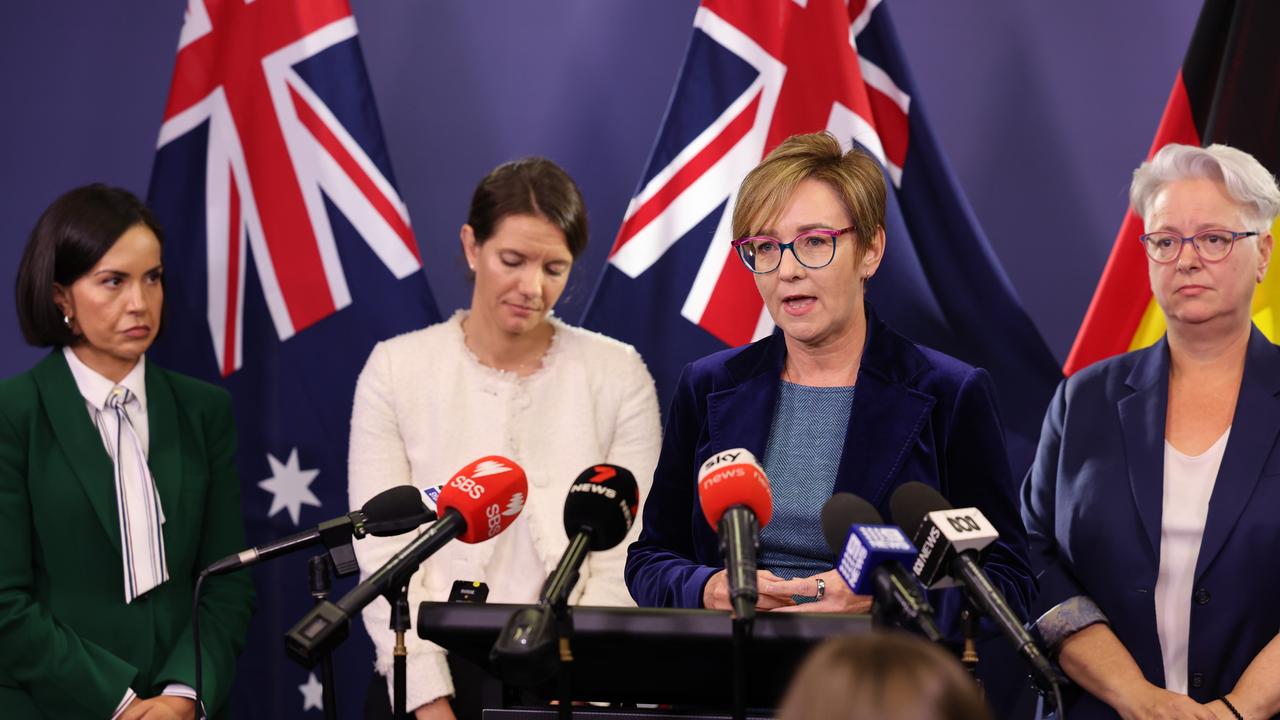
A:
[288,254]
[757,72]
[276,151]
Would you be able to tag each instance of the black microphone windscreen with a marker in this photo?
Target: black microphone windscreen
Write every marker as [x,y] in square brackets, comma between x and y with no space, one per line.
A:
[603,500]
[912,501]
[839,512]
[394,511]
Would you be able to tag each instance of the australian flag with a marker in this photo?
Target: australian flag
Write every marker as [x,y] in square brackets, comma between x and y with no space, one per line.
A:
[756,73]
[288,255]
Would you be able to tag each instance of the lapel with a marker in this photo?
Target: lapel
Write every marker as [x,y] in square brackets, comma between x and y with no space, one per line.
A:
[888,413]
[1142,416]
[80,441]
[1253,437]
[164,453]
[740,416]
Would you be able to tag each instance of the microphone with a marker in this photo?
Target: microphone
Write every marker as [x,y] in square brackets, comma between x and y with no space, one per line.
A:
[391,512]
[598,513]
[735,498]
[949,540]
[481,500]
[869,556]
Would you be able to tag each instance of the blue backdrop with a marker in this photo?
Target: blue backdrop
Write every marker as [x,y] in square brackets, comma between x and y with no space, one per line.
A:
[1041,129]
[1043,110]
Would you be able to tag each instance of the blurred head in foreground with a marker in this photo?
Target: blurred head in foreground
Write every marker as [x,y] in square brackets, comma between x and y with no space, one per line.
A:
[881,676]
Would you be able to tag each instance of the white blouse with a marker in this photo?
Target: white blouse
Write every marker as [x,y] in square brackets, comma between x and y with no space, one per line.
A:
[425,407]
[1188,484]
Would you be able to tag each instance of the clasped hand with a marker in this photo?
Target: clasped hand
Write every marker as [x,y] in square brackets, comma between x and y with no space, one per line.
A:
[778,594]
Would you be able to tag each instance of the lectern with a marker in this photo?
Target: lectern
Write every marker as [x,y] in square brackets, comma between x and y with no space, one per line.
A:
[650,655]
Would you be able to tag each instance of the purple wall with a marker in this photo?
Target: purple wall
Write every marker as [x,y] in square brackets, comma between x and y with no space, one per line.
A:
[1043,108]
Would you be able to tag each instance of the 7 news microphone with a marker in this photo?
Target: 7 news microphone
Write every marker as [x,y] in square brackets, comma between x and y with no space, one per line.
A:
[481,500]
[598,512]
[735,498]
[950,540]
[870,557]
[391,512]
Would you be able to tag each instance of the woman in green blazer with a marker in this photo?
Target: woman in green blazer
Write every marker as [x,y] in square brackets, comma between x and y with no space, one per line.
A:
[110,508]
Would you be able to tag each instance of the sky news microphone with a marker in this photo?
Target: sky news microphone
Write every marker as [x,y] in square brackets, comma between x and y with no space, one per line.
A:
[735,498]
[391,512]
[481,500]
[870,557]
[950,540]
[598,512]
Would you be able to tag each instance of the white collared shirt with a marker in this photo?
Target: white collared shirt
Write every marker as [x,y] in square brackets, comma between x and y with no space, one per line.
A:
[96,389]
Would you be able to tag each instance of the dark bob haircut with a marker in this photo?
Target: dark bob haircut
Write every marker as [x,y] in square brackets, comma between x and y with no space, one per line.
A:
[68,240]
[530,186]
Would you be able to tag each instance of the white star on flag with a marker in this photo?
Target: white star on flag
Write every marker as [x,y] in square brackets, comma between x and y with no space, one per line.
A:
[290,486]
[312,693]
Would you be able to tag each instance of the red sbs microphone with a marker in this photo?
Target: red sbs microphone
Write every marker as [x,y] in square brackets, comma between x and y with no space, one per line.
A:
[734,494]
[481,500]
[488,493]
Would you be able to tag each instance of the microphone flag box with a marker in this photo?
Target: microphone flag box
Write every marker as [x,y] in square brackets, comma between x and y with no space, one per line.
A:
[943,535]
[868,547]
[431,497]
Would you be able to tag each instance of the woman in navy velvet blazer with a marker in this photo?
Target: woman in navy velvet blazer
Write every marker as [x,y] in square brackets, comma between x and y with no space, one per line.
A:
[789,399]
[1151,506]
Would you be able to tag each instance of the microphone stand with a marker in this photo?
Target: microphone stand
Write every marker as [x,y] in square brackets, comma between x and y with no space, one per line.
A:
[564,634]
[741,633]
[399,599]
[969,656]
[318,571]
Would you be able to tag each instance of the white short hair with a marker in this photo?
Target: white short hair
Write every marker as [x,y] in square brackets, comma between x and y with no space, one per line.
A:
[1246,181]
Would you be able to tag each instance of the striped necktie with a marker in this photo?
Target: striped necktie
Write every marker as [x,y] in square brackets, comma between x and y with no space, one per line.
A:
[138,504]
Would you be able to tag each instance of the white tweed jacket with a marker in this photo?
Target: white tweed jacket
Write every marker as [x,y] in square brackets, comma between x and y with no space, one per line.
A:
[424,407]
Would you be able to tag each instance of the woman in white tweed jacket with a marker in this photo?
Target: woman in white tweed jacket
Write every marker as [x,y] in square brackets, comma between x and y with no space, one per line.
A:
[505,377]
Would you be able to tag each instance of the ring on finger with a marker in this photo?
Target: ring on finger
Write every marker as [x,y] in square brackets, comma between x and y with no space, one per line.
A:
[822,590]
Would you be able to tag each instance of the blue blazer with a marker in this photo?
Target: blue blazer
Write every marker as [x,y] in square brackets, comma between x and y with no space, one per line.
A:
[918,415]
[1092,503]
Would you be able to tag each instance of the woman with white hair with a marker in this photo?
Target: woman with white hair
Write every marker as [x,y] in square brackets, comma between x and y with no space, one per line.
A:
[1152,503]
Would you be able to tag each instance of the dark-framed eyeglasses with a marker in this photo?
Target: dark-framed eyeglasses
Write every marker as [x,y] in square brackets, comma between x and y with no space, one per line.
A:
[1211,245]
[812,248]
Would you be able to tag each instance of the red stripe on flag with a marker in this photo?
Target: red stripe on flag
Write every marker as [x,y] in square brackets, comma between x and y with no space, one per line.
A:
[733,311]
[233,280]
[685,176]
[891,126]
[1124,291]
[312,122]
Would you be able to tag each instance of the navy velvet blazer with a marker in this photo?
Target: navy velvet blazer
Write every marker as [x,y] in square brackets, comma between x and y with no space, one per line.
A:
[917,415]
[1093,499]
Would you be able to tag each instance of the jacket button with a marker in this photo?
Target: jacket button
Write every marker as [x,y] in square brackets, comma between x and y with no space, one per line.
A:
[1197,680]
[1202,597]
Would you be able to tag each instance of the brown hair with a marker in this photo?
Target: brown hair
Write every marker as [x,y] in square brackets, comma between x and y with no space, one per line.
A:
[70,237]
[855,176]
[530,186]
[882,676]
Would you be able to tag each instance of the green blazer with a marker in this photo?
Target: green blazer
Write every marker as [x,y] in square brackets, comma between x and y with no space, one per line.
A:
[69,645]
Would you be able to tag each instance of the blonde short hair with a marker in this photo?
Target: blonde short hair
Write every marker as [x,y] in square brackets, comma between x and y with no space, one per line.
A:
[854,175]
[882,676]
